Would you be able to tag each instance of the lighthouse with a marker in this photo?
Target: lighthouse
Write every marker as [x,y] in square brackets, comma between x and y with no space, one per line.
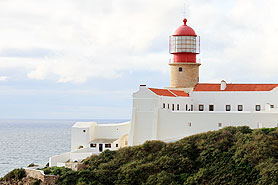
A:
[184,46]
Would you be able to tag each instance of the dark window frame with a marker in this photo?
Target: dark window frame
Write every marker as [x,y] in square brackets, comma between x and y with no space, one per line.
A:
[93,145]
[211,107]
[107,145]
[201,107]
[258,107]
[228,109]
[239,107]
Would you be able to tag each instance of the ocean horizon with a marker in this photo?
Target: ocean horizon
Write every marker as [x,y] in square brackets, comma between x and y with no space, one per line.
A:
[26,141]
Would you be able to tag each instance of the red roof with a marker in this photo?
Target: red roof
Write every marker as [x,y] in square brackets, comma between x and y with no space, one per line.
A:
[235,87]
[180,93]
[167,92]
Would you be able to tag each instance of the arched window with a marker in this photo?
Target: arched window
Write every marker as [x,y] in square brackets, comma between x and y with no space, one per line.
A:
[180,69]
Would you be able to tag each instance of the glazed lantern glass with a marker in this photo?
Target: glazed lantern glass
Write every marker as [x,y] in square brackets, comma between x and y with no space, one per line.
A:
[184,44]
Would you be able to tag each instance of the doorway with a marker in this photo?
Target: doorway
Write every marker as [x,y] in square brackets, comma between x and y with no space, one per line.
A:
[100,147]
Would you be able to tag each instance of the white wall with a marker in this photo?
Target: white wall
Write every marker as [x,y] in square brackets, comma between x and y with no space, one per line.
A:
[182,101]
[112,130]
[175,125]
[81,138]
[249,99]
[59,159]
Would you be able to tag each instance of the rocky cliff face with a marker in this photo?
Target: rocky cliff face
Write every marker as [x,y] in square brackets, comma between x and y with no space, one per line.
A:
[23,181]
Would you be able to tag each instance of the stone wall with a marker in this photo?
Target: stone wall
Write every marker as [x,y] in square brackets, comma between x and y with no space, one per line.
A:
[187,77]
[39,174]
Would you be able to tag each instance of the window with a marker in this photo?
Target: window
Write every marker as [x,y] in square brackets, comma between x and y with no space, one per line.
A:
[219,124]
[272,106]
[180,69]
[163,105]
[126,142]
[201,107]
[189,124]
[173,107]
[258,107]
[186,107]
[240,107]
[93,145]
[84,130]
[228,107]
[117,145]
[178,106]
[191,107]
[211,107]
[168,106]
[107,145]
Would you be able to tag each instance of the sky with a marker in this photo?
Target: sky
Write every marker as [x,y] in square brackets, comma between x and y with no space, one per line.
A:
[72,59]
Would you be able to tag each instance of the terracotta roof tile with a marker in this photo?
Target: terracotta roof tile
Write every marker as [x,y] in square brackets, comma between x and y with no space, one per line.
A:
[235,87]
[180,93]
[171,93]
[162,92]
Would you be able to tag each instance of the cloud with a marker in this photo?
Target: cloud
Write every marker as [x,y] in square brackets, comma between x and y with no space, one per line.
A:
[75,41]
[3,78]
[27,53]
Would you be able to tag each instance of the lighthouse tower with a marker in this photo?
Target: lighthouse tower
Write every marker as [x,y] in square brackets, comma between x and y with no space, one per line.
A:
[184,45]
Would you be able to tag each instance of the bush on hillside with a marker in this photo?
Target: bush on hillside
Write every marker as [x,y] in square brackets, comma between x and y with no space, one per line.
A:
[16,174]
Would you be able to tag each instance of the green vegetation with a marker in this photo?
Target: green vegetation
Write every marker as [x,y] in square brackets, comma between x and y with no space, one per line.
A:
[16,174]
[32,165]
[232,155]
[35,182]
[227,156]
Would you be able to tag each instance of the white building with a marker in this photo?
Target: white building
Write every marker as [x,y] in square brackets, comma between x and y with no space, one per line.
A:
[185,108]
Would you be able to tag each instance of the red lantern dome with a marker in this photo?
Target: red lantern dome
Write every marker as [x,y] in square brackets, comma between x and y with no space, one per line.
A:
[184,44]
[184,30]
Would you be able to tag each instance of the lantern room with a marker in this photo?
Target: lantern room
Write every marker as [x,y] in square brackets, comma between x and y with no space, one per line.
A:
[184,44]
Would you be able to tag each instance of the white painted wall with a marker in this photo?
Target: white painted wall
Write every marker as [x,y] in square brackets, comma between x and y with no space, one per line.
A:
[176,125]
[112,130]
[81,134]
[62,158]
[249,99]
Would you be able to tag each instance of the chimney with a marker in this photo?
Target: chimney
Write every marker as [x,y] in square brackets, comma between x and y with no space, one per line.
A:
[143,86]
[223,85]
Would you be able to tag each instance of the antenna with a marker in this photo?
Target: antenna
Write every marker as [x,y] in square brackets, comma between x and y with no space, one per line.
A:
[184,10]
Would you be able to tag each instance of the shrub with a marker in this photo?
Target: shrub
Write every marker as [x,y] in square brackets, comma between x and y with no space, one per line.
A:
[32,165]
[36,182]
[16,174]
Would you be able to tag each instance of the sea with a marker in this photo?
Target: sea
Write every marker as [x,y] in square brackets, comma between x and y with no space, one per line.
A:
[23,142]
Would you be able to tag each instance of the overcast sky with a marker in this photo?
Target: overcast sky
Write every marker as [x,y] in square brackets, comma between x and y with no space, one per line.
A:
[84,59]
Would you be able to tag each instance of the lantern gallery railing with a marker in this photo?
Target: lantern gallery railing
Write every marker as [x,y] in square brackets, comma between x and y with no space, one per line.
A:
[187,44]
